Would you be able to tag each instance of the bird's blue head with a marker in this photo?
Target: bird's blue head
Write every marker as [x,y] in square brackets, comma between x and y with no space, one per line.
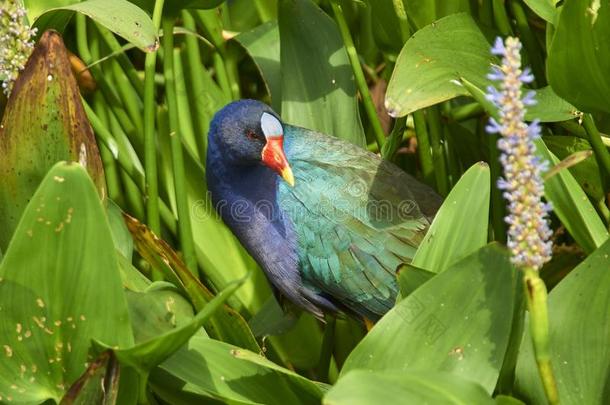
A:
[248,132]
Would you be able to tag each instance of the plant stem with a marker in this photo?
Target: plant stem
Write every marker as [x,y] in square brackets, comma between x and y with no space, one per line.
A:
[352,53]
[466,112]
[424,150]
[195,76]
[438,157]
[534,51]
[601,153]
[539,328]
[185,231]
[501,18]
[150,144]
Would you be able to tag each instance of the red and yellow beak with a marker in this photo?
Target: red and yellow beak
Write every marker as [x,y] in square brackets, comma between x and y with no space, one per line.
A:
[274,158]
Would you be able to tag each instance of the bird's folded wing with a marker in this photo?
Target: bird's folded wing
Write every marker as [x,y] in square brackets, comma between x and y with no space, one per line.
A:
[356,219]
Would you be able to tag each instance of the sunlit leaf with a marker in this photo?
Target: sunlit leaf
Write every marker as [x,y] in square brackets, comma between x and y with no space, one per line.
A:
[60,266]
[578,59]
[208,368]
[318,89]
[452,234]
[459,322]
[119,16]
[388,387]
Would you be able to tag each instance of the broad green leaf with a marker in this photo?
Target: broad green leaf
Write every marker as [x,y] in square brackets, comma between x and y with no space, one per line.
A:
[119,16]
[174,7]
[98,385]
[586,172]
[578,61]
[424,12]
[545,9]
[385,25]
[454,48]
[361,387]
[550,107]
[410,278]
[263,45]
[208,368]
[572,206]
[148,354]
[579,336]
[460,226]
[570,202]
[157,310]
[44,123]
[432,59]
[60,265]
[318,89]
[459,322]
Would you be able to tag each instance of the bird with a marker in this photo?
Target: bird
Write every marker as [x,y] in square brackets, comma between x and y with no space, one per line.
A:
[327,221]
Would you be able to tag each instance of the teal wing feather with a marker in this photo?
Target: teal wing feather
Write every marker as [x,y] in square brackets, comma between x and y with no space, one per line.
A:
[357,218]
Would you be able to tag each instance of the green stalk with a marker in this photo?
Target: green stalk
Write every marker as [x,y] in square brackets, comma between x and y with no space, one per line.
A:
[401,13]
[264,12]
[150,144]
[185,116]
[438,157]
[466,112]
[184,229]
[601,153]
[133,104]
[539,329]
[498,206]
[501,18]
[110,168]
[352,53]
[424,150]
[326,351]
[113,100]
[195,69]
[534,51]
[115,47]
[121,156]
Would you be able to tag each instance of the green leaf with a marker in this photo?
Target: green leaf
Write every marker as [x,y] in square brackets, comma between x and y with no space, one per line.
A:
[550,107]
[146,355]
[577,66]
[360,387]
[318,89]
[410,278]
[572,206]
[545,9]
[579,336]
[385,25]
[454,235]
[432,59]
[44,123]
[586,172]
[454,48]
[424,12]
[263,45]
[208,368]
[119,16]
[157,310]
[50,300]
[459,322]
[123,242]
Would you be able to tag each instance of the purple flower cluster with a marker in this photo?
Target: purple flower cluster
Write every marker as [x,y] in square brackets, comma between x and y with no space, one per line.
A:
[529,231]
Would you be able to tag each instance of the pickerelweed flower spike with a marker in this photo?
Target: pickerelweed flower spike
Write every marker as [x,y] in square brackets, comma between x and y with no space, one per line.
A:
[529,232]
[16,43]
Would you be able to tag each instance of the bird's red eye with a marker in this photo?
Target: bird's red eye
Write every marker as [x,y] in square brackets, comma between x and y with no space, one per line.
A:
[252,135]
